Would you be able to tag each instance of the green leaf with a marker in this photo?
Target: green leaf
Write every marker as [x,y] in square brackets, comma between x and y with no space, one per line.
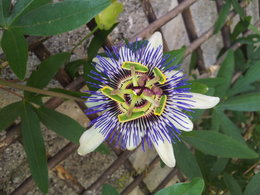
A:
[253,187]
[253,53]
[15,48]
[215,122]
[60,17]
[97,41]
[226,71]
[8,114]
[175,57]
[206,163]
[46,71]
[195,187]
[246,102]
[250,39]
[186,161]
[254,29]
[108,17]
[238,8]
[241,27]
[218,167]
[72,67]
[109,190]
[94,46]
[197,87]
[24,6]
[103,149]
[2,17]
[61,124]
[240,60]
[35,4]
[252,75]
[193,61]
[197,114]
[222,16]
[34,146]
[228,127]
[232,185]
[217,144]
[5,6]
[211,82]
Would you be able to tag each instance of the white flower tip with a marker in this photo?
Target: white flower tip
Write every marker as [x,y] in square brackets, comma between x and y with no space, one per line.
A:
[81,151]
[157,35]
[156,39]
[132,147]
[89,141]
[133,141]
[96,60]
[169,161]
[170,164]
[188,126]
[212,101]
[203,101]
[165,151]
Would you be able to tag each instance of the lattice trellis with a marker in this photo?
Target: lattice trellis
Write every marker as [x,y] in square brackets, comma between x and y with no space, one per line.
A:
[36,46]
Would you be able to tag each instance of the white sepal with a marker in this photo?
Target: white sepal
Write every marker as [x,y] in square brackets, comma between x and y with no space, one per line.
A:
[179,119]
[89,141]
[199,101]
[165,151]
[156,40]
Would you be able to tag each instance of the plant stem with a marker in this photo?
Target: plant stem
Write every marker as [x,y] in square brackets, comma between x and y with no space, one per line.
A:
[39,91]
[86,37]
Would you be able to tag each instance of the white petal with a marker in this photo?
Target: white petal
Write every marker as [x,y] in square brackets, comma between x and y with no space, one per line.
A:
[180,120]
[98,67]
[94,103]
[174,73]
[165,151]
[95,60]
[89,141]
[156,40]
[133,140]
[200,101]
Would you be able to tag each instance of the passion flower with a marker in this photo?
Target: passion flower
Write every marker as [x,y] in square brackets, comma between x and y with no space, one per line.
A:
[140,98]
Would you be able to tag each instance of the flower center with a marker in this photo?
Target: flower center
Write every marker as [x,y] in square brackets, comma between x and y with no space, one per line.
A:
[138,95]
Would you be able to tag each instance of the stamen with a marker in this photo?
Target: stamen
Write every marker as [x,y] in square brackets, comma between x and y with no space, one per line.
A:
[157,90]
[132,105]
[124,118]
[138,66]
[158,73]
[142,80]
[150,99]
[152,81]
[106,90]
[159,110]
[134,76]
[148,92]
[122,92]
